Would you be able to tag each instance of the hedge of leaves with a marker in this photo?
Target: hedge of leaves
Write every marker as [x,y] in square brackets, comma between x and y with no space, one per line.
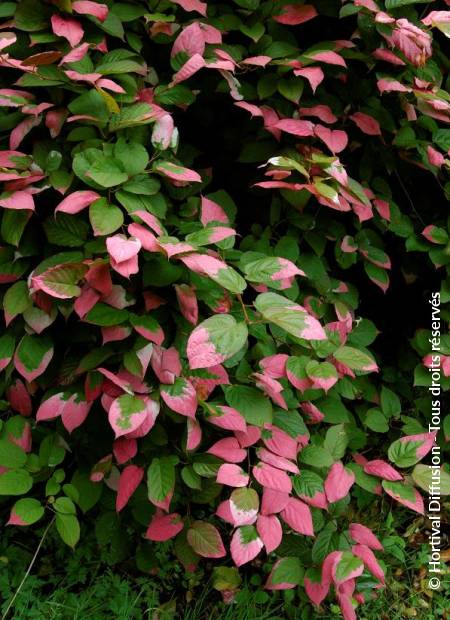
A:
[173,371]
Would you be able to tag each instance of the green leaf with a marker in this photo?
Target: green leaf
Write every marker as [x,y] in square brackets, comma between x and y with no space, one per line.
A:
[376,421]
[316,456]
[104,217]
[326,542]
[363,480]
[88,492]
[286,314]
[106,316]
[390,402]
[30,16]
[255,408]
[13,225]
[347,565]
[355,359]
[15,482]
[160,478]
[28,510]
[62,281]
[68,528]
[107,172]
[16,299]
[288,570]
[426,476]
[226,337]
[404,453]
[33,356]
[336,441]
[132,155]
[307,483]
[66,230]
[395,4]
[7,346]
[205,540]
[11,455]
[65,506]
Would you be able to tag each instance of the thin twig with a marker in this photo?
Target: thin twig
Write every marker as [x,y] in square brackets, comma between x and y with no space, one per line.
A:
[244,309]
[30,566]
[410,200]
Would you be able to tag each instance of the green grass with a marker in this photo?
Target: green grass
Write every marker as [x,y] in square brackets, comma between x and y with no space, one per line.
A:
[92,584]
[111,596]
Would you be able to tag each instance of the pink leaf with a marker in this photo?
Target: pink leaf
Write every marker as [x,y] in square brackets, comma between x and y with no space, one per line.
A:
[382,469]
[86,7]
[426,439]
[122,249]
[370,561]
[147,238]
[126,414]
[416,504]
[294,14]
[180,397]
[272,478]
[389,85]
[190,67]
[249,437]
[295,127]
[166,364]
[163,132]
[129,480]
[338,482]
[76,202]
[22,129]
[192,5]
[124,449]
[275,365]
[276,461]
[321,111]
[280,442]
[76,54]
[232,475]
[316,592]
[270,531]
[194,434]
[366,123]
[190,41]
[297,515]
[228,450]
[227,418]
[164,527]
[212,212]
[328,57]
[273,501]
[74,413]
[244,547]
[68,28]
[107,84]
[18,397]
[257,61]
[51,408]
[364,536]
[151,221]
[314,75]
[200,351]
[7,39]
[187,301]
[177,173]
[335,139]
[18,200]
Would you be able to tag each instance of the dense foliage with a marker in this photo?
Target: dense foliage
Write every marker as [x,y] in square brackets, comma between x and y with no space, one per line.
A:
[203,208]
